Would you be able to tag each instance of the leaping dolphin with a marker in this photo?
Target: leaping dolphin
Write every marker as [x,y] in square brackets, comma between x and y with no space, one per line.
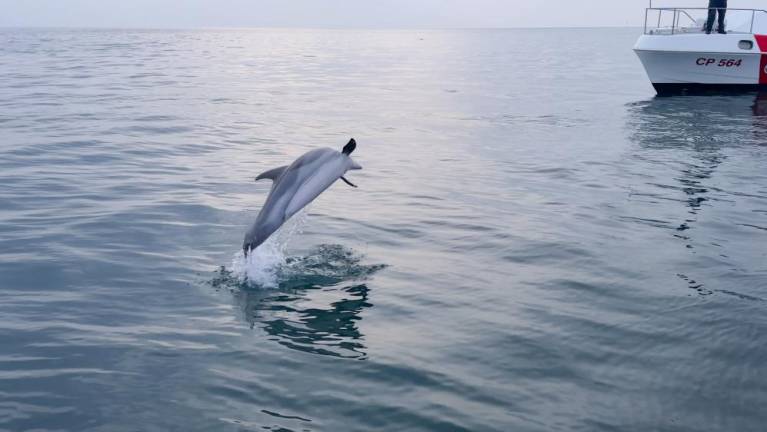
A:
[295,186]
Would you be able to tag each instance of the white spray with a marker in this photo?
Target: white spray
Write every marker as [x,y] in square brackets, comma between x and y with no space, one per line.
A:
[262,267]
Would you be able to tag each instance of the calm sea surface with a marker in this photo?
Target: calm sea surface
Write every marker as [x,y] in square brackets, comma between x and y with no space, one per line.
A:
[537,243]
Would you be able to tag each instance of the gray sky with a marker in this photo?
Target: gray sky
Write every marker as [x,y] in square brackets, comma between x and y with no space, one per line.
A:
[331,13]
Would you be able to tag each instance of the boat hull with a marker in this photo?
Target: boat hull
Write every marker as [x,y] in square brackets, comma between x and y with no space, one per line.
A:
[703,63]
[671,89]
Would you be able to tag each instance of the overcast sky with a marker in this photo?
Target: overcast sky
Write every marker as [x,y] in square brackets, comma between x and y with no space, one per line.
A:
[332,13]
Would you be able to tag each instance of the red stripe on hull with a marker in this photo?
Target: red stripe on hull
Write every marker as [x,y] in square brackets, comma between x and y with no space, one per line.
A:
[763,69]
[761,40]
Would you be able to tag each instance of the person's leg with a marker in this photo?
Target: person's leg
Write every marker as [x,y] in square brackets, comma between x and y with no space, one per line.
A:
[721,20]
[710,22]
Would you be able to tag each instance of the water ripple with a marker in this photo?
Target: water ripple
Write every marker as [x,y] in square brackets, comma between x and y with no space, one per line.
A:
[558,253]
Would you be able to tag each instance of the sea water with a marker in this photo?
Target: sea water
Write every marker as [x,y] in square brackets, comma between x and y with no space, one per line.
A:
[537,242]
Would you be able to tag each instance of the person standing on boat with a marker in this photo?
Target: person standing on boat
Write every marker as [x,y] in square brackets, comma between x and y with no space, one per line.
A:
[714,7]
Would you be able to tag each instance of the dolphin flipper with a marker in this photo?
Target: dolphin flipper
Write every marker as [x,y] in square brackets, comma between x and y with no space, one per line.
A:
[273,174]
[348,182]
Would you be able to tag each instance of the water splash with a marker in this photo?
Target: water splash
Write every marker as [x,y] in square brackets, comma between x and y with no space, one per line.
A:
[324,266]
[317,302]
[262,266]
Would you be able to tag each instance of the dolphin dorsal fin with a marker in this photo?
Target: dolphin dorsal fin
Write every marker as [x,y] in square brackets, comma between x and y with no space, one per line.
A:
[273,174]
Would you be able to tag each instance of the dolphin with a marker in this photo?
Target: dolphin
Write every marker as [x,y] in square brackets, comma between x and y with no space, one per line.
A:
[296,185]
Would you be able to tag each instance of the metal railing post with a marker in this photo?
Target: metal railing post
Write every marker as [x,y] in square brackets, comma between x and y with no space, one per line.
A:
[673,22]
[677,16]
[646,11]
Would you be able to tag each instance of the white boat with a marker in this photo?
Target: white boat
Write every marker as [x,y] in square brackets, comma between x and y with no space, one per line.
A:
[679,57]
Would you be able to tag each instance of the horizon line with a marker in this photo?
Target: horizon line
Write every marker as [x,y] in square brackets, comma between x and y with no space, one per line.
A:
[310,28]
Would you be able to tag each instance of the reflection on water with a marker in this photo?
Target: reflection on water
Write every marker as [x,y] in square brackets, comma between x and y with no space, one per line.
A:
[319,322]
[533,291]
[317,305]
[701,129]
[759,108]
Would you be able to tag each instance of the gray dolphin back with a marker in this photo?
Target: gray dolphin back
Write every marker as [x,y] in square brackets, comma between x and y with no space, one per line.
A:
[295,186]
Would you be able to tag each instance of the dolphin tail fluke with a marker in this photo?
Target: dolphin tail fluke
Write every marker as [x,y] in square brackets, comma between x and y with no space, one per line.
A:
[272,174]
[349,147]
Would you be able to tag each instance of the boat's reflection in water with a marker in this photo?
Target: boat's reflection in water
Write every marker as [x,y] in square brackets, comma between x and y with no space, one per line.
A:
[759,108]
[693,135]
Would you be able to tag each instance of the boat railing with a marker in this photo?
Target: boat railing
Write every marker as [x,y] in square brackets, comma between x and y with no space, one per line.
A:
[681,17]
